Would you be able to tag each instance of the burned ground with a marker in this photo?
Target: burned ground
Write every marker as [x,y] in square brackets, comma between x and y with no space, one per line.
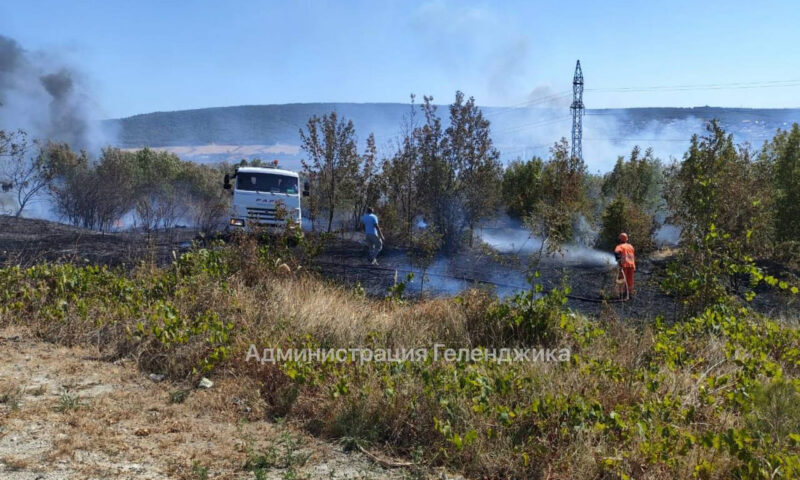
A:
[28,241]
[592,285]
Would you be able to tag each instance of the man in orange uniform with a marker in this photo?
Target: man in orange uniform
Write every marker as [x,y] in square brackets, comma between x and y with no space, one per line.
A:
[624,252]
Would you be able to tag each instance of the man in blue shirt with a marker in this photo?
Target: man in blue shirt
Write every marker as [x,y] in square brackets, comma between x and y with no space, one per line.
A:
[374,235]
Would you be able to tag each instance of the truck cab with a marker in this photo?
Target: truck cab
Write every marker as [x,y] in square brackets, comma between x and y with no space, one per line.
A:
[260,194]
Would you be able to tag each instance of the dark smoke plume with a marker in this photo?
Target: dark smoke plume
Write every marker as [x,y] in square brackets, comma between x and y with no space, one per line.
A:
[45,97]
[58,85]
[10,59]
[67,120]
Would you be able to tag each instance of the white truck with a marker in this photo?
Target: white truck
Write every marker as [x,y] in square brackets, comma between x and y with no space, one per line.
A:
[259,193]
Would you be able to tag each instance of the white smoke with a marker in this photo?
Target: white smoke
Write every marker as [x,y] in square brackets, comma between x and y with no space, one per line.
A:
[668,235]
[605,137]
[47,98]
[450,276]
[527,132]
[520,242]
[7,203]
[498,55]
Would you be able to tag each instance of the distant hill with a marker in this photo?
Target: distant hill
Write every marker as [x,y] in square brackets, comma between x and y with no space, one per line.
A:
[518,132]
[248,125]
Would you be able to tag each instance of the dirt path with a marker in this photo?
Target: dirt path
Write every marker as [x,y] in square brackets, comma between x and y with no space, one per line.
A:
[65,415]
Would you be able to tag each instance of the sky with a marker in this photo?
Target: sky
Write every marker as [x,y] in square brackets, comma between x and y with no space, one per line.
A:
[145,56]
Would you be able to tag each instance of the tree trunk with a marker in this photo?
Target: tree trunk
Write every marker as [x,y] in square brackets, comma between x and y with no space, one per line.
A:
[331,199]
[21,201]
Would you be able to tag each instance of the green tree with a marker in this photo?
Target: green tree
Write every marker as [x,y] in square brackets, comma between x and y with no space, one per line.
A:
[458,171]
[114,186]
[435,177]
[718,196]
[398,180]
[719,184]
[782,156]
[330,143]
[473,160]
[72,201]
[640,179]
[367,182]
[622,215]
[635,187]
[521,186]
[207,203]
[158,202]
[563,198]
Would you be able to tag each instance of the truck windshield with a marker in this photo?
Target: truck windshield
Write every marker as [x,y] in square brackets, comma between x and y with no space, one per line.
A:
[266,182]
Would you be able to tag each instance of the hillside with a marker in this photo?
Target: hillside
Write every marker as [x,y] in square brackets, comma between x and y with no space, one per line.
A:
[273,129]
[247,125]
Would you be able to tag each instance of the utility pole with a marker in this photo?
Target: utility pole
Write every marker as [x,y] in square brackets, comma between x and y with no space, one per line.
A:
[577,112]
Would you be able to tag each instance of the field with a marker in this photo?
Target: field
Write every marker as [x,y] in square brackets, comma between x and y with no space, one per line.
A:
[711,396]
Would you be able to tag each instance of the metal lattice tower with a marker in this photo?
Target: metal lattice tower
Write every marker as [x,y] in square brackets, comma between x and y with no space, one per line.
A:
[577,112]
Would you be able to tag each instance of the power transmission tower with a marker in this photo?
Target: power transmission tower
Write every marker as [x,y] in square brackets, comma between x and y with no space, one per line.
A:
[577,112]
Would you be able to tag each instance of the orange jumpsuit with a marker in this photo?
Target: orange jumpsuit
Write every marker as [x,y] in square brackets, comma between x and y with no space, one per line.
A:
[627,260]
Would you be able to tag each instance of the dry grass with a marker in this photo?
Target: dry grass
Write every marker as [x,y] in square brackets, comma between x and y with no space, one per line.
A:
[622,406]
[15,464]
[127,427]
[286,307]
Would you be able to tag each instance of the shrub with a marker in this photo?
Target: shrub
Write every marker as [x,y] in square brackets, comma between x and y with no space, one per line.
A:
[622,215]
[782,155]
[156,187]
[530,317]
[521,186]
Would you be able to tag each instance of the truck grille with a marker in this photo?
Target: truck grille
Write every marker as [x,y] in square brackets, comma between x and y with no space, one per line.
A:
[261,215]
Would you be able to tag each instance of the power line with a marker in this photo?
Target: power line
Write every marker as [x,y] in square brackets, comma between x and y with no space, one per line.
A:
[577,106]
[577,112]
[708,86]
[529,103]
[718,86]
[626,139]
[538,123]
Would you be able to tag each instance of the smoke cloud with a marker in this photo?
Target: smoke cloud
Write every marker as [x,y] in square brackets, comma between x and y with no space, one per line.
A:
[527,132]
[520,242]
[447,30]
[46,97]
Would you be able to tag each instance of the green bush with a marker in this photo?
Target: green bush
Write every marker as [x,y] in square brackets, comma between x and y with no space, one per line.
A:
[622,215]
[782,157]
[530,317]
[521,186]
